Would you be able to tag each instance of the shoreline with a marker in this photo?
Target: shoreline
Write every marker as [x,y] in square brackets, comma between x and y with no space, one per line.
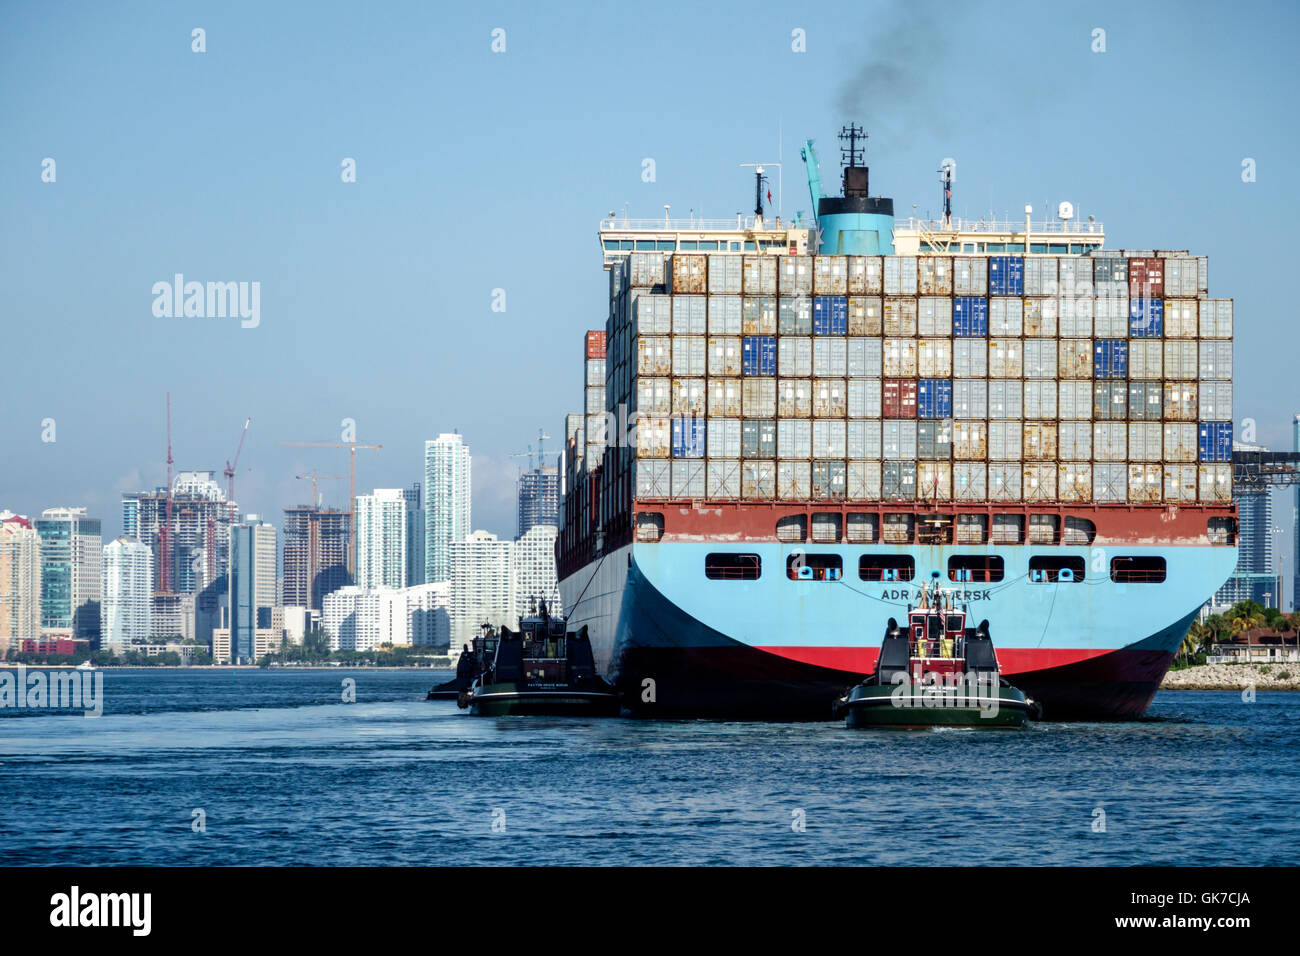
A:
[1234,677]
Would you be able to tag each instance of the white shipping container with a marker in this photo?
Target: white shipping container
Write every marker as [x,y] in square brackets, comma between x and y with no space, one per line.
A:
[724,315]
[654,396]
[829,438]
[595,399]
[1040,316]
[934,275]
[1144,443]
[1145,483]
[793,480]
[1005,441]
[970,398]
[900,275]
[794,356]
[1181,275]
[1006,358]
[1109,482]
[594,429]
[1041,276]
[758,480]
[653,435]
[654,355]
[725,397]
[970,441]
[688,478]
[1180,441]
[794,275]
[646,269]
[866,275]
[900,358]
[690,355]
[1110,316]
[863,357]
[1215,361]
[1006,316]
[863,484]
[1215,482]
[1180,321]
[830,275]
[898,439]
[759,275]
[1075,317]
[758,397]
[970,276]
[1146,359]
[863,439]
[1040,398]
[690,314]
[1040,358]
[794,315]
[1075,277]
[866,315]
[1180,402]
[653,478]
[1040,441]
[1215,318]
[722,437]
[1074,441]
[724,355]
[794,398]
[1038,481]
[1215,399]
[1003,483]
[1180,359]
[793,438]
[1074,480]
[595,371]
[934,480]
[864,397]
[758,315]
[970,358]
[830,356]
[1109,441]
[722,479]
[970,482]
[653,314]
[900,316]
[1006,398]
[830,398]
[1075,359]
[726,274]
[934,316]
[934,358]
[1180,483]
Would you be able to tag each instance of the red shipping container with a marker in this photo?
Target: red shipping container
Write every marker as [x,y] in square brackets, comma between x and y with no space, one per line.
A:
[898,396]
[1146,278]
[596,344]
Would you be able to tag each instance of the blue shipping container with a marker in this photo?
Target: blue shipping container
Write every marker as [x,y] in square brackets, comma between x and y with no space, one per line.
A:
[1110,358]
[970,316]
[830,315]
[934,398]
[758,355]
[1006,275]
[1146,318]
[688,437]
[1216,441]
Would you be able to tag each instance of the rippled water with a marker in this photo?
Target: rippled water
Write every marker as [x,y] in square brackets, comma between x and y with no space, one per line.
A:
[286,773]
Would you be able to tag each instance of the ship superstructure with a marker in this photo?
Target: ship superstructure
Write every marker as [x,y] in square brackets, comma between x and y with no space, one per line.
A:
[803,421]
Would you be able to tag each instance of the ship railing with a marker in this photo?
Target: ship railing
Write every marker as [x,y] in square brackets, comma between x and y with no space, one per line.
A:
[694,224]
[1062,226]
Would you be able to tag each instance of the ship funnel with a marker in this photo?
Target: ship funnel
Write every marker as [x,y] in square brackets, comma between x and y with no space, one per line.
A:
[854,223]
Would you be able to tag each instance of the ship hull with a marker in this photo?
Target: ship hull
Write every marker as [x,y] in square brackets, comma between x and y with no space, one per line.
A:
[678,644]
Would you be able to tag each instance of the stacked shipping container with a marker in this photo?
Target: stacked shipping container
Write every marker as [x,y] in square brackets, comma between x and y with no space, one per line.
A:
[1105,378]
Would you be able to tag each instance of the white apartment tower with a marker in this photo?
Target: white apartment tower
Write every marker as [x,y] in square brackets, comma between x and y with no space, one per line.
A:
[382,539]
[20,582]
[446,502]
[481,591]
[128,584]
[533,571]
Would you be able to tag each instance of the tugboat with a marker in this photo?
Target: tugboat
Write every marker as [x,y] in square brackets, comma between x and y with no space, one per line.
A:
[936,673]
[471,663]
[542,669]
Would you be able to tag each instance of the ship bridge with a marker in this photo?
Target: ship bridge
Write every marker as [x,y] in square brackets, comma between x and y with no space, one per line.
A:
[619,238]
[1064,237]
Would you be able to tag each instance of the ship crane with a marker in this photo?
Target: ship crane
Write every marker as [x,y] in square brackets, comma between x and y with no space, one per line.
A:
[230,473]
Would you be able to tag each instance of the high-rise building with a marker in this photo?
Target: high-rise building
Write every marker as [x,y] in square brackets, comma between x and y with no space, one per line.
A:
[481,585]
[1255,577]
[361,619]
[381,539]
[446,502]
[414,534]
[20,582]
[533,577]
[72,550]
[200,535]
[128,585]
[539,499]
[252,585]
[428,607]
[316,543]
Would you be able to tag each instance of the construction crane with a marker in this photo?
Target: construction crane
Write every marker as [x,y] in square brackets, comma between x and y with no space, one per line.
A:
[352,447]
[313,529]
[230,473]
[165,533]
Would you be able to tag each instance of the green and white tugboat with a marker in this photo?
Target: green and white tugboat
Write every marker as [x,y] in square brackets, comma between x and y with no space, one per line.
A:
[542,669]
[936,673]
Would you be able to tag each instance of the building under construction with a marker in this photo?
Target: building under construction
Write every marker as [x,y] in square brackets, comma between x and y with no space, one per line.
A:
[200,530]
[316,545]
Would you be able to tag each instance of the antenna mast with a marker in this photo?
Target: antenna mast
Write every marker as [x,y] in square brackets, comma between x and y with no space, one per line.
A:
[945,177]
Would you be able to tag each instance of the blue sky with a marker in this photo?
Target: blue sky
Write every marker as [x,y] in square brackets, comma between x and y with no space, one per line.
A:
[479,170]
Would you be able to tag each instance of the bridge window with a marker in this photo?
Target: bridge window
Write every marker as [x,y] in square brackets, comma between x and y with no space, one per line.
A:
[792,529]
[886,567]
[814,567]
[976,567]
[1049,570]
[1147,569]
[722,566]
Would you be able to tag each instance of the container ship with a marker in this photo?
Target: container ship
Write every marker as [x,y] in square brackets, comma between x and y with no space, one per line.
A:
[789,427]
